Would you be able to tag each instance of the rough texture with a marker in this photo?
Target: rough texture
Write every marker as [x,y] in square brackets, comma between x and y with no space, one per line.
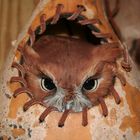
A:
[115,126]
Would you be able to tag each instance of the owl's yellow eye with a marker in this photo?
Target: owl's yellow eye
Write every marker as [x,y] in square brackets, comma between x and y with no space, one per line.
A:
[90,84]
[47,84]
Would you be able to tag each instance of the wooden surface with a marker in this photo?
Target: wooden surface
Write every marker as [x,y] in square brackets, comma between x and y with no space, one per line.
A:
[13,16]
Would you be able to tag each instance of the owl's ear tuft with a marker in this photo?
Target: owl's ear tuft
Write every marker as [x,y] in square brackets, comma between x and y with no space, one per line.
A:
[109,53]
[31,52]
[30,56]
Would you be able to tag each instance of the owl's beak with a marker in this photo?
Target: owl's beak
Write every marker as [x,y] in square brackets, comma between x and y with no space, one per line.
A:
[69,94]
[69,97]
[74,101]
[68,100]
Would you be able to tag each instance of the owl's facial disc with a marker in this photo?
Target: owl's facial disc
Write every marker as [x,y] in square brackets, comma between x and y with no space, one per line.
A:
[67,78]
[65,99]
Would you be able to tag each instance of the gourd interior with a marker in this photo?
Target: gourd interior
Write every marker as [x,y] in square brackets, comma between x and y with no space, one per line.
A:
[73,29]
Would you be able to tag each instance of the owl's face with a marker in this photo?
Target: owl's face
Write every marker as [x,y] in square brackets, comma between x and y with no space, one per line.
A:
[68,74]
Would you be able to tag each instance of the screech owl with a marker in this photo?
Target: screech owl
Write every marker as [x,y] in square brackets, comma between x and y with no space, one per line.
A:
[68,75]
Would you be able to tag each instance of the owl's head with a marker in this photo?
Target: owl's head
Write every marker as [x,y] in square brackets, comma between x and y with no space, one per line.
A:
[67,73]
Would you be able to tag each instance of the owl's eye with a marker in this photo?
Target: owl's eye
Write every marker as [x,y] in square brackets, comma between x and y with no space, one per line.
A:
[90,84]
[47,84]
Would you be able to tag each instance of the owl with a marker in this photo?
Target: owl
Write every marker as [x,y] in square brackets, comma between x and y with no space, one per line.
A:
[68,75]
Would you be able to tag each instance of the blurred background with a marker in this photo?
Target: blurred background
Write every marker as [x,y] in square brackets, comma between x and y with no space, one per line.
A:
[13,16]
[15,13]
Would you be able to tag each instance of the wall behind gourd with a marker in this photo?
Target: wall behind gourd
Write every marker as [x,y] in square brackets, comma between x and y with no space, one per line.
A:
[13,16]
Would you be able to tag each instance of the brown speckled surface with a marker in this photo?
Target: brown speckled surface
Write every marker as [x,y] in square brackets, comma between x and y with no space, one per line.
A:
[122,122]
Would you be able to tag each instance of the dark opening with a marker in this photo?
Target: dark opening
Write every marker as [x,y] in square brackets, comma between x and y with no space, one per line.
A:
[73,29]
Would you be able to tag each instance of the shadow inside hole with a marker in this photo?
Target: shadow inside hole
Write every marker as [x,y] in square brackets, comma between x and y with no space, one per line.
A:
[73,29]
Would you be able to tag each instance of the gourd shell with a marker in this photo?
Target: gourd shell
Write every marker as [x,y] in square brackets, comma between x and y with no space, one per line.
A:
[123,121]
